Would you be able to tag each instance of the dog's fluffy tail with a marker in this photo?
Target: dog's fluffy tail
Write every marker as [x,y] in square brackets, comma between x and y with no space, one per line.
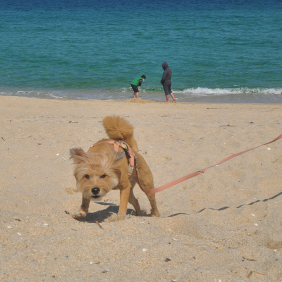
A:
[118,128]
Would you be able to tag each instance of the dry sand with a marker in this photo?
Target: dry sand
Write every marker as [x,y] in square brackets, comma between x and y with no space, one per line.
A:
[223,225]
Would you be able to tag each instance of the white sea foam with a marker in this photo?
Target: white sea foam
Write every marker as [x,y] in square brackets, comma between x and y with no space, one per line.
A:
[232,95]
[202,91]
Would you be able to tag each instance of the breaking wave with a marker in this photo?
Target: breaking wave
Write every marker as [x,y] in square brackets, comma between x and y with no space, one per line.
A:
[202,91]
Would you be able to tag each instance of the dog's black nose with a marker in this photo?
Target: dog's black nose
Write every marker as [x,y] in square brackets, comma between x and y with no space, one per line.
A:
[95,190]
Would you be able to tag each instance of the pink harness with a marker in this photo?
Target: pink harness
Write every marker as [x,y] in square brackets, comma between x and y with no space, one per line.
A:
[132,160]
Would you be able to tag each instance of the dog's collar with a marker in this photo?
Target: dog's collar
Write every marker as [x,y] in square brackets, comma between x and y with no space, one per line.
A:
[128,151]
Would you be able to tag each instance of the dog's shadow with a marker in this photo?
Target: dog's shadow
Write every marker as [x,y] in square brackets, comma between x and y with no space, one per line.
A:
[104,215]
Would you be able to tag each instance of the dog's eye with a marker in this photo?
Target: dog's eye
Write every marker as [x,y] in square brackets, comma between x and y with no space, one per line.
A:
[103,176]
[86,176]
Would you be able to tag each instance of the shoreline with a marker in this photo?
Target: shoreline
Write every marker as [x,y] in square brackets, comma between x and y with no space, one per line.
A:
[204,100]
[139,101]
[193,95]
[223,224]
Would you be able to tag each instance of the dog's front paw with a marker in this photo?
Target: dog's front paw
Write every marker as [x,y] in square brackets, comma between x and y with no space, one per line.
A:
[79,215]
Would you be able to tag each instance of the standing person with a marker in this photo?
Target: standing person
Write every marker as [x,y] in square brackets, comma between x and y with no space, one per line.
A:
[166,82]
[136,83]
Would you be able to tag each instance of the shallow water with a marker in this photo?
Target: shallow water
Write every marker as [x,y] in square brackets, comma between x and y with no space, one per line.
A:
[221,52]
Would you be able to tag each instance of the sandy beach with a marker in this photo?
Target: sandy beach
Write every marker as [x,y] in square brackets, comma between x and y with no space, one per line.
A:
[222,225]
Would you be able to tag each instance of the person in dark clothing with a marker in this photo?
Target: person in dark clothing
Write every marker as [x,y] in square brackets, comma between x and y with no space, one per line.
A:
[136,83]
[166,82]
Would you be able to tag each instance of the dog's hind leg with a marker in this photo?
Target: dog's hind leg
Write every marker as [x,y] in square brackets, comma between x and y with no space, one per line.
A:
[134,202]
[147,182]
[153,203]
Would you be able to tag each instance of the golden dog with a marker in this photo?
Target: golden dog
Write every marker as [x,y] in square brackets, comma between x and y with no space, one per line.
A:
[102,169]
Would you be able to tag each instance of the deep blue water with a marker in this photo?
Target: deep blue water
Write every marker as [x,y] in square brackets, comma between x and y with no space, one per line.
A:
[226,51]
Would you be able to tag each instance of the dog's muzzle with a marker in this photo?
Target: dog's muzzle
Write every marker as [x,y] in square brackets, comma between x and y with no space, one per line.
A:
[95,191]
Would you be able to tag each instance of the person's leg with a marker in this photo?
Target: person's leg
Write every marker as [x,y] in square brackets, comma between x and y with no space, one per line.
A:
[135,91]
[167,98]
[172,96]
[166,91]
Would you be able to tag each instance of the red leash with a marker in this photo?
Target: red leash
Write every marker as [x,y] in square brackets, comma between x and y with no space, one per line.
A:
[179,180]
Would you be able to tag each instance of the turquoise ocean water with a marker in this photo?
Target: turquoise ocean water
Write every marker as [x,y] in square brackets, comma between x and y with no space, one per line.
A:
[219,51]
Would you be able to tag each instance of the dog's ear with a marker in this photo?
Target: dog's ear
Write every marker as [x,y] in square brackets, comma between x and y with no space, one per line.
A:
[78,155]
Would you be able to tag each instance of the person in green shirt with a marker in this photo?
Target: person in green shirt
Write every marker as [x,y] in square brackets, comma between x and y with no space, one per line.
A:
[136,83]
